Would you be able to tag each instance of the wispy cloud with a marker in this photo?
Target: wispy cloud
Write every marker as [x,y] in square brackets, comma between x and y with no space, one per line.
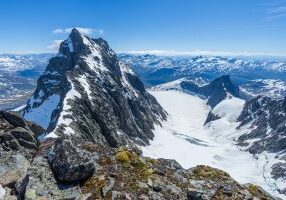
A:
[55,45]
[83,30]
[276,12]
[200,52]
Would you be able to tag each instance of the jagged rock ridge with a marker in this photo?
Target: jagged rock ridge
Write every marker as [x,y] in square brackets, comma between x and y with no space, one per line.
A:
[87,92]
[266,119]
[215,92]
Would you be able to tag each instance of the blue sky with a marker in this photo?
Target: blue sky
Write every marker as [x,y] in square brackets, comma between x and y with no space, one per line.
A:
[163,26]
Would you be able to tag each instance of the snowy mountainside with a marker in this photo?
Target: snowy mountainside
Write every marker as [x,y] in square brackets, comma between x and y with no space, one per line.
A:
[268,119]
[274,88]
[214,92]
[177,84]
[87,92]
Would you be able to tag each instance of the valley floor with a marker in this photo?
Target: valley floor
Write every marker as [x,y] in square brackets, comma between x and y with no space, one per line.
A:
[184,137]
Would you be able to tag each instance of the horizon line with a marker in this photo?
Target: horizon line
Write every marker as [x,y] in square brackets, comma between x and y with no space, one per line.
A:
[169,53]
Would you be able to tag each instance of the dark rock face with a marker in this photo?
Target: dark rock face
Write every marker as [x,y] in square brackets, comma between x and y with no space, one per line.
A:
[17,135]
[279,170]
[211,117]
[18,144]
[93,95]
[195,195]
[215,92]
[69,163]
[268,119]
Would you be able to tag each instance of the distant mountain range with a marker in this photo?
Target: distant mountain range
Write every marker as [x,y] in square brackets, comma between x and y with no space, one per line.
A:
[160,69]
[22,63]
[18,76]
[256,76]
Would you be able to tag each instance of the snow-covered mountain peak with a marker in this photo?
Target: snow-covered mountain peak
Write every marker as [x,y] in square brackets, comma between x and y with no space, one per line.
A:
[88,92]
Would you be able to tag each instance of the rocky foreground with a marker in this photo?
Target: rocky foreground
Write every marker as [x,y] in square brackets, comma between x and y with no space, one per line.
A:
[72,168]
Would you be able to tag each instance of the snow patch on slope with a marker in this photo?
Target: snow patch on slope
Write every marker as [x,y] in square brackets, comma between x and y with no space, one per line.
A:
[65,117]
[173,85]
[68,43]
[126,70]
[229,108]
[2,192]
[96,65]
[176,84]
[86,85]
[42,114]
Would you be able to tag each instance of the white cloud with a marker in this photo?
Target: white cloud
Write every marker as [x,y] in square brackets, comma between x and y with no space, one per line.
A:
[275,12]
[83,30]
[59,30]
[55,45]
[200,52]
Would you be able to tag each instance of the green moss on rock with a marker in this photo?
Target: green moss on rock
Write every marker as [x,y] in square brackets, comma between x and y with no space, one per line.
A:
[122,156]
[206,172]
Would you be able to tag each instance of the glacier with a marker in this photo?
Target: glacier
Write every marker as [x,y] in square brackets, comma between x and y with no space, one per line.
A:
[184,137]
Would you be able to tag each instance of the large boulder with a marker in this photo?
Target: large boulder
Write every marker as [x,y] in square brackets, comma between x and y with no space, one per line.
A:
[70,163]
[43,184]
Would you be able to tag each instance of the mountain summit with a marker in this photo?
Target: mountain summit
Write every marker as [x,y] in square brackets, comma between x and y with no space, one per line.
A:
[87,92]
[215,92]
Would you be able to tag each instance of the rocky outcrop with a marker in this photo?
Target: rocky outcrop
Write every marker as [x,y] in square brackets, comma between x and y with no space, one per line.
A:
[87,92]
[69,163]
[211,117]
[125,174]
[18,143]
[73,168]
[215,92]
[17,135]
[267,119]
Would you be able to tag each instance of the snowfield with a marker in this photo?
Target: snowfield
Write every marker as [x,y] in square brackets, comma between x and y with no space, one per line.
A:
[184,137]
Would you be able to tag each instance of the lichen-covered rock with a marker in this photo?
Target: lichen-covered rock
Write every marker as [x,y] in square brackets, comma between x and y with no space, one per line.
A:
[56,167]
[124,174]
[42,182]
[70,163]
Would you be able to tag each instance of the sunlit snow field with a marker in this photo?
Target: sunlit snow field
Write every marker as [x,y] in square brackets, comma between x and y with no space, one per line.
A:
[184,137]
